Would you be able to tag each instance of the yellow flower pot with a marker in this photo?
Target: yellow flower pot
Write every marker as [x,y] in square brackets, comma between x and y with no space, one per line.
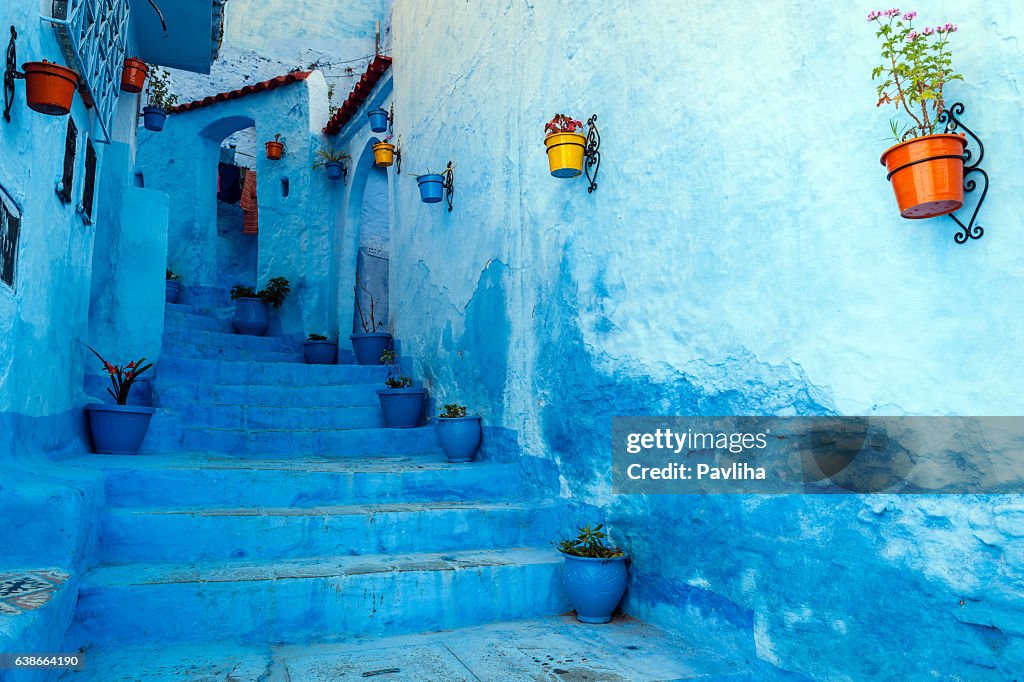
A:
[383,154]
[565,154]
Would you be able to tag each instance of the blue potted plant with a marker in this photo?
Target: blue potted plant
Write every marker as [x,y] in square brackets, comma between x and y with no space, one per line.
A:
[401,403]
[458,434]
[161,100]
[173,284]
[378,120]
[431,187]
[118,429]
[370,344]
[252,308]
[319,350]
[333,163]
[594,576]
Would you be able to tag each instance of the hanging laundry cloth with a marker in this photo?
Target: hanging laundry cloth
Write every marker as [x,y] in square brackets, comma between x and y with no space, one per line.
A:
[229,183]
[250,208]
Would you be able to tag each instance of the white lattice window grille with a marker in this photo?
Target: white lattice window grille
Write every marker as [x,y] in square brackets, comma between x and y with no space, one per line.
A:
[93,36]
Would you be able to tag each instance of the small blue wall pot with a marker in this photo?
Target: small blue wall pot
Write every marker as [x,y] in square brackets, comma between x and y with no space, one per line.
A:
[252,316]
[118,429]
[319,352]
[369,347]
[402,407]
[459,437]
[154,118]
[378,120]
[431,188]
[173,290]
[594,586]
[334,170]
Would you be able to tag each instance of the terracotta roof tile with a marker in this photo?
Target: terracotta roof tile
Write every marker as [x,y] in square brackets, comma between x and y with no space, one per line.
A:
[262,86]
[377,67]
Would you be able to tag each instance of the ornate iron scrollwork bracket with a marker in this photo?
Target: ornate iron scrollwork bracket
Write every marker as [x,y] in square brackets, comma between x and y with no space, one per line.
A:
[398,158]
[950,116]
[449,184]
[592,153]
[10,74]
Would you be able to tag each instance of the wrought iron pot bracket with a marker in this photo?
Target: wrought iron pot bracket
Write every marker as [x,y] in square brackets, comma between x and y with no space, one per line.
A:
[10,74]
[971,230]
[592,153]
[449,184]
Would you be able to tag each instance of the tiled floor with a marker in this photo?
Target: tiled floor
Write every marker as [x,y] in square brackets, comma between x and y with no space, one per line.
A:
[28,590]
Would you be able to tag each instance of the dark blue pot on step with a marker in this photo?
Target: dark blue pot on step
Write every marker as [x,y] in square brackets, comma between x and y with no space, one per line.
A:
[402,407]
[317,352]
[369,347]
[252,316]
[459,437]
[594,586]
[118,429]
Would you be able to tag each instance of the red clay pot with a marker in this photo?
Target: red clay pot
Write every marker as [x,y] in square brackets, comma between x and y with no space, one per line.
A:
[275,150]
[133,75]
[49,88]
[927,174]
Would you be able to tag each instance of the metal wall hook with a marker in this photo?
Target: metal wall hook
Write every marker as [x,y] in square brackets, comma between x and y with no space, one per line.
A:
[592,153]
[10,74]
[950,116]
[449,184]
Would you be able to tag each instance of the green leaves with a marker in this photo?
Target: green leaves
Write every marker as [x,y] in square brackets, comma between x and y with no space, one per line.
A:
[590,544]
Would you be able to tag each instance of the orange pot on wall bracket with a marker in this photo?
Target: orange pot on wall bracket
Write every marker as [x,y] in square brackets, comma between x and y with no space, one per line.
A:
[49,88]
[133,75]
[929,174]
[275,148]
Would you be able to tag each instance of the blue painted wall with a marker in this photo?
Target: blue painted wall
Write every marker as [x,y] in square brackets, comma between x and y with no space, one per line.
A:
[742,255]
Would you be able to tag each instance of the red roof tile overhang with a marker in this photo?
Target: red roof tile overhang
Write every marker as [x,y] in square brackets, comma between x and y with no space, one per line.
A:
[376,69]
[263,86]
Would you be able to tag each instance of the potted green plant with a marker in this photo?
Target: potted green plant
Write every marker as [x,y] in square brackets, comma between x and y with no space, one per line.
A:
[173,284]
[370,344]
[333,162]
[401,402]
[119,429]
[926,165]
[458,435]
[595,574]
[252,308]
[161,99]
[319,350]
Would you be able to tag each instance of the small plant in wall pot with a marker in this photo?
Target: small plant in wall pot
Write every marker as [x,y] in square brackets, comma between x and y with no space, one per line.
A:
[161,100]
[595,574]
[432,185]
[333,162]
[173,283]
[565,146]
[370,344]
[319,350]
[401,403]
[926,167]
[275,148]
[119,429]
[252,308]
[458,434]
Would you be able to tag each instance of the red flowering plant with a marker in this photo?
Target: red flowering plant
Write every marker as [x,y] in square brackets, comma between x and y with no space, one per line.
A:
[562,124]
[122,377]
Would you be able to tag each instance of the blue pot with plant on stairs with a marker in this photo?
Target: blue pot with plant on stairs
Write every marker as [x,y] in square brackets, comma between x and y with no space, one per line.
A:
[594,576]
[173,289]
[431,187]
[119,428]
[334,170]
[252,308]
[458,435]
[369,347]
[402,407]
[378,120]
[154,118]
[319,350]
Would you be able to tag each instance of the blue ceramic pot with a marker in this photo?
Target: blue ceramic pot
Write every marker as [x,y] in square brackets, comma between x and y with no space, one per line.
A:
[118,429]
[378,120]
[594,586]
[334,170]
[402,407]
[459,437]
[173,290]
[431,188]
[154,118]
[252,316]
[320,352]
[369,347]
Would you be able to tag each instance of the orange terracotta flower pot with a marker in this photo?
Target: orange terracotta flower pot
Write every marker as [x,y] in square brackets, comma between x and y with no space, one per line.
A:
[927,174]
[383,154]
[275,150]
[133,75]
[49,88]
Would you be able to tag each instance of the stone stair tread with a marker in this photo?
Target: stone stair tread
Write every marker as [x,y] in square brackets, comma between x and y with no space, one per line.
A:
[341,510]
[304,463]
[246,571]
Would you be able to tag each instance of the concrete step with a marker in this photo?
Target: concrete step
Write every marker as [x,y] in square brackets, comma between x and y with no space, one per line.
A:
[174,395]
[264,417]
[187,316]
[200,373]
[169,434]
[304,600]
[216,534]
[228,340]
[206,480]
[186,350]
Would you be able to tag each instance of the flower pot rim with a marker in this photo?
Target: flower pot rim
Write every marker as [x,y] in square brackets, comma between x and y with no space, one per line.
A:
[960,137]
[150,108]
[458,419]
[136,60]
[559,137]
[107,407]
[381,110]
[429,177]
[334,163]
[383,144]
[368,335]
[308,342]
[53,69]
[401,391]
[250,298]
[624,557]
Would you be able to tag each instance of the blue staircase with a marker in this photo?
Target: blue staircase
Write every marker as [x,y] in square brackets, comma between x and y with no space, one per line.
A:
[270,506]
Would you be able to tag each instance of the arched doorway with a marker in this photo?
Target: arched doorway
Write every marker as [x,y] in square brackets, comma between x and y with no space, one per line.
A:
[237,243]
[374,249]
